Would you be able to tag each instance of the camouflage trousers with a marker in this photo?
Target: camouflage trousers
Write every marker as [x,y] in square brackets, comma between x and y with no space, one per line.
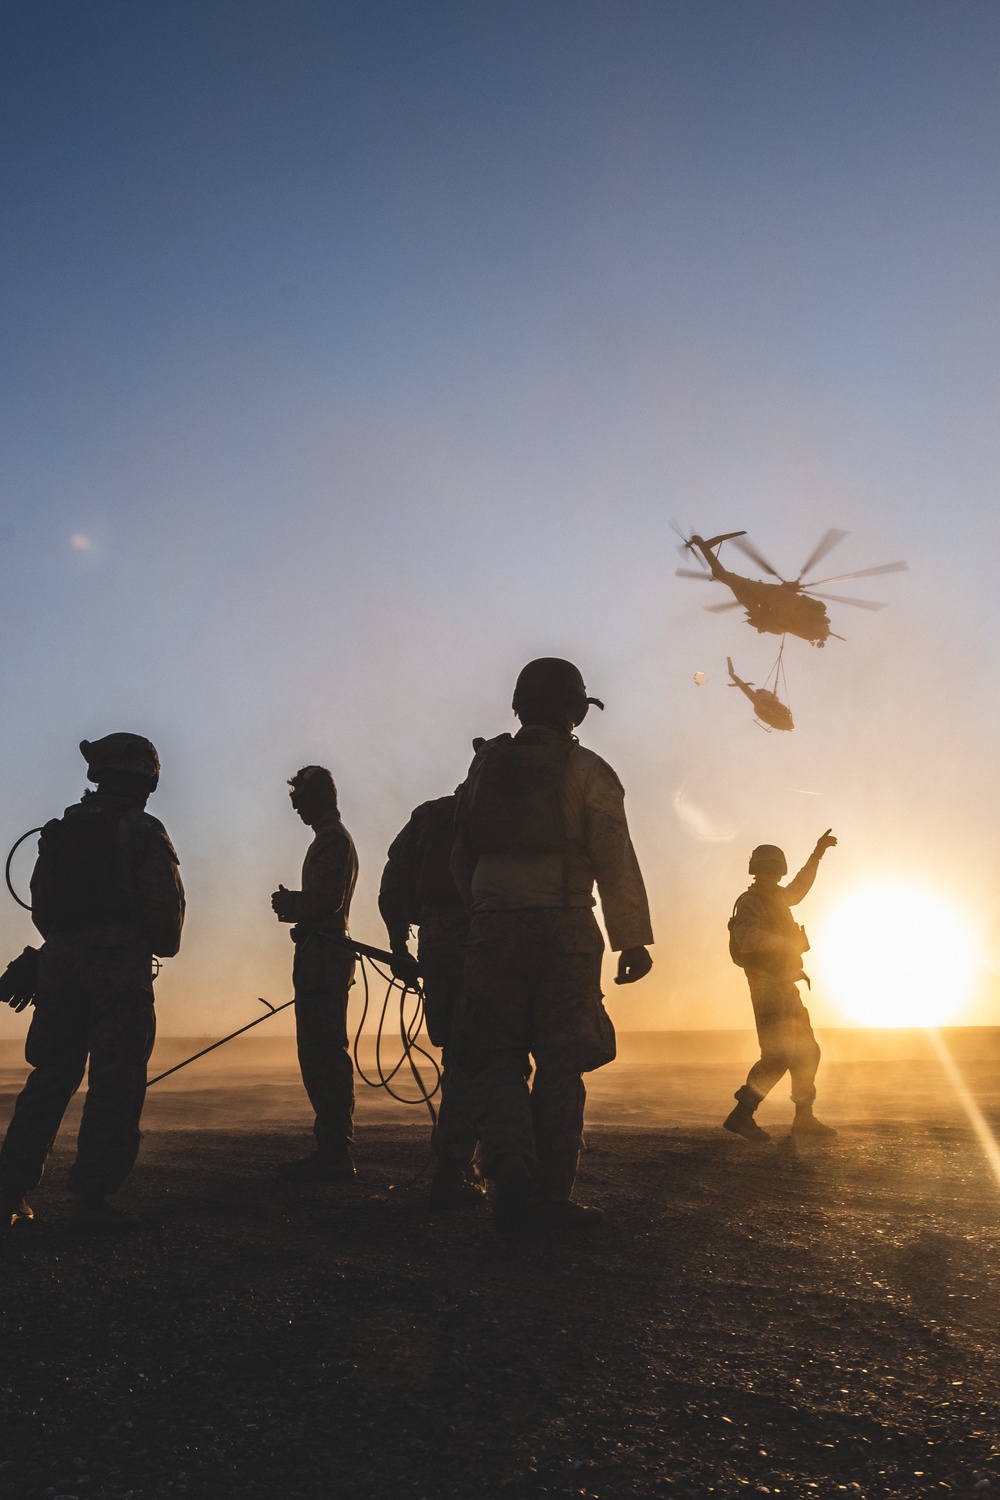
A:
[532,991]
[787,1043]
[442,965]
[94,998]
[322,975]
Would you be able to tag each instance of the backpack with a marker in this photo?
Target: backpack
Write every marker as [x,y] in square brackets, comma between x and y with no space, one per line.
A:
[737,952]
[434,885]
[81,876]
[515,794]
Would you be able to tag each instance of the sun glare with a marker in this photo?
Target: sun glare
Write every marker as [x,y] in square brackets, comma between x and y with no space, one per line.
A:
[897,955]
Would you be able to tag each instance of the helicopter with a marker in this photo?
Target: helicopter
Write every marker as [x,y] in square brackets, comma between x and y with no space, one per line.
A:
[788,606]
[766,705]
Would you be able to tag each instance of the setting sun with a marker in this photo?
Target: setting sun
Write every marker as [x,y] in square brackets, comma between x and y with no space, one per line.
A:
[896,955]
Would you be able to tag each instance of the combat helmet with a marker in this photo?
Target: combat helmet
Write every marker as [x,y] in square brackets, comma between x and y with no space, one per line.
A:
[768,857]
[552,683]
[131,753]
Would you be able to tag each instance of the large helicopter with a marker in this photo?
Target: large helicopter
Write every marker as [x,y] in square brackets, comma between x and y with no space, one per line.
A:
[766,705]
[788,606]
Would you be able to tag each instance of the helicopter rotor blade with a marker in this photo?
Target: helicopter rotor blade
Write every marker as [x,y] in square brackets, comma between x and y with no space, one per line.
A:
[896,567]
[685,549]
[858,603]
[718,609]
[692,573]
[749,550]
[826,543]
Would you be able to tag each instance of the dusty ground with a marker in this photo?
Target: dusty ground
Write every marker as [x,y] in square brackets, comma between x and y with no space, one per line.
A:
[808,1324]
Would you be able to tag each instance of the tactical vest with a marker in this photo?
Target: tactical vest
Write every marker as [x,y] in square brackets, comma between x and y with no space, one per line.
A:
[780,923]
[81,877]
[516,797]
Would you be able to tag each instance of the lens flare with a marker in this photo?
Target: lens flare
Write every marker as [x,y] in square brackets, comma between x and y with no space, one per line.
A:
[897,955]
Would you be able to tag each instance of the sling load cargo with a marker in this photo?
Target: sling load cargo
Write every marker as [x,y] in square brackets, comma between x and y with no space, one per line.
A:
[770,712]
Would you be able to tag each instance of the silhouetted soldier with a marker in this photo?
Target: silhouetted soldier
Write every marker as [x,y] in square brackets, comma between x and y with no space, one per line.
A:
[540,818]
[106,895]
[322,975]
[418,890]
[768,944]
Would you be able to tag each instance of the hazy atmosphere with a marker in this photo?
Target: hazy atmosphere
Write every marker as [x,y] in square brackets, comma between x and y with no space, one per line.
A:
[355,354]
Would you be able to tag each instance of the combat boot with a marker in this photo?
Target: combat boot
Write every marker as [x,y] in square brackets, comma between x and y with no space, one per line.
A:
[453,1185]
[555,1175]
[741,1121]
[511,1191]
[550,1205]
[15,1212]
[561,1214]
[317,1168]
[806,1124]
[95,1215]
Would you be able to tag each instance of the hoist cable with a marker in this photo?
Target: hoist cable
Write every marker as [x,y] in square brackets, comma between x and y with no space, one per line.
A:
[777,673]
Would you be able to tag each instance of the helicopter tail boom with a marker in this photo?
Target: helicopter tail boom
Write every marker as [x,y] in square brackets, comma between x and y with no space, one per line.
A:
[726,536]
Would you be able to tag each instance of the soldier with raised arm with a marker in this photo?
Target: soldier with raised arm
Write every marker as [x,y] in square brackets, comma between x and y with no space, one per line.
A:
[540,820]
[767,943]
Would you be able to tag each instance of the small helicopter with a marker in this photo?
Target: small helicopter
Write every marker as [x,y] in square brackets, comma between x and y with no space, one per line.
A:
[788,606]
[766,705]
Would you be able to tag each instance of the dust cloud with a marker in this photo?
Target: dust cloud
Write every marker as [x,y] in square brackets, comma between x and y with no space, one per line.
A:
[661,1080]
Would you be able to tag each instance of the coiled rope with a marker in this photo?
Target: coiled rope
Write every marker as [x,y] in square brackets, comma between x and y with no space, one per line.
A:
[409,1031]
[6,873]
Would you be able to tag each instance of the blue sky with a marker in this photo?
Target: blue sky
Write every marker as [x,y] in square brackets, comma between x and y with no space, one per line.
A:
[367,350]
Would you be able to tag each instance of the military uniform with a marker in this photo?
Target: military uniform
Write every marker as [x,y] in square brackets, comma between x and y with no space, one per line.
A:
[770,944]
[106,896]
[322,975]
[418,889]
[533,967]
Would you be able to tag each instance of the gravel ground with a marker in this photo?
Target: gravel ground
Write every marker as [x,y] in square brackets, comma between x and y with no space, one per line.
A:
[797,1324]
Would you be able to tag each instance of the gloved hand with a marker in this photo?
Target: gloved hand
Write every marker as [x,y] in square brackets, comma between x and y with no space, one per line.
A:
[404,968]
[825,842]
[633,964]
[19,980]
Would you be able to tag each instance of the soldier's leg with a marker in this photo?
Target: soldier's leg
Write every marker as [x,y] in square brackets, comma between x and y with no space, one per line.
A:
[805,1061]
[571,1034]
[455,1137]
[558,1097]
[491,1036]
[770,1005]
[771,1001]
[804,1058]
[117,974]
[56,1048]
[442,968]
[322,978]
